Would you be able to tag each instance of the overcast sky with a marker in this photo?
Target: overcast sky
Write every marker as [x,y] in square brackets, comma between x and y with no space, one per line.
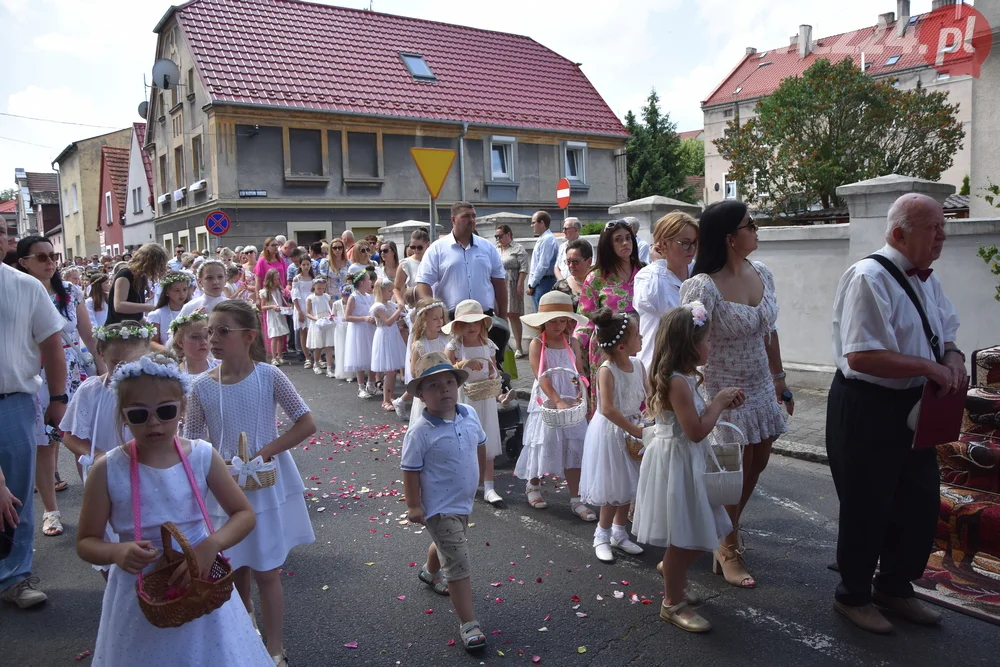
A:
[83,60]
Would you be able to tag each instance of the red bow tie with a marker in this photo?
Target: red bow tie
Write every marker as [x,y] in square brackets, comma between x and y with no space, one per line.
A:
[923,274]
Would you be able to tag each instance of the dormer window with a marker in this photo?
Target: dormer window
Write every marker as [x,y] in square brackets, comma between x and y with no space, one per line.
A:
[417,67]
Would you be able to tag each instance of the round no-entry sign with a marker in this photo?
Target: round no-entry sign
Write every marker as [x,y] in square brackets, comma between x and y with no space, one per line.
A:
[562,193]
[217,223]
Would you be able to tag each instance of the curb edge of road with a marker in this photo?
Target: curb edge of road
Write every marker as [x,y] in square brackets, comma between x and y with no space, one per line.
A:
[800,450]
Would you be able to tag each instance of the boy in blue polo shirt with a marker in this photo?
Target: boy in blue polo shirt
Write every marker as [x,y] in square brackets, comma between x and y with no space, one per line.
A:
[443,452]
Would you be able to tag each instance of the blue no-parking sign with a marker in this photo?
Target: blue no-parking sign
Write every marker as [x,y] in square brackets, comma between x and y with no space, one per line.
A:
[217,223]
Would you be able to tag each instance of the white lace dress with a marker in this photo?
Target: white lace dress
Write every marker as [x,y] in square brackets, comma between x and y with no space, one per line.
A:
[220,413]
[321,334]
[223,637]
[301,289]
[340,340]
[388,346]
[671,504]
[360,336]
[609,476]
[738,357]
[420,348]
[487,407]
[550,451]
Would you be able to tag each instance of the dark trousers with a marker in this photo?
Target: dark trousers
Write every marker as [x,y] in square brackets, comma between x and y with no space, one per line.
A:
[889,493]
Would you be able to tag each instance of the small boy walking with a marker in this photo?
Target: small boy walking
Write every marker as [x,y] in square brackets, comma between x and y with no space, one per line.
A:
[443,452]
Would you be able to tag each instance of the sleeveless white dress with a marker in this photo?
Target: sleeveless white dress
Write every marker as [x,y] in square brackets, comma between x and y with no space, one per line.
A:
[220,413]
[388,346]
[360,336]
[320,335]
[550,451]
[609,476]
[340,340]
[301,290]
[671,504]
[486,408]
[223,637]
[422,347]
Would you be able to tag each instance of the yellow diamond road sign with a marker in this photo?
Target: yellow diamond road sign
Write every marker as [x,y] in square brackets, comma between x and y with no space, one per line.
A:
[434,165]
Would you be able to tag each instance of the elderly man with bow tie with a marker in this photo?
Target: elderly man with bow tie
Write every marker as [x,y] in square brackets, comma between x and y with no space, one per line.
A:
[893,329]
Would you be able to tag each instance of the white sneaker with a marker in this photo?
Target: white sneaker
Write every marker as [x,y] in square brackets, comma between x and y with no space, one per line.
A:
[400,408]
[493,498]
[308,364]
[317,370]
[363,394]
[372,389]
[330,374]
[24,594]
[603,551]
[626,545]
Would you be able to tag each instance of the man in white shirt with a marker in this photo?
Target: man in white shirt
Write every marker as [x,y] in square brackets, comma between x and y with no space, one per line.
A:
[542,275]
[30,328]
[176,264]
[633,222]
[571,230]
[888,491]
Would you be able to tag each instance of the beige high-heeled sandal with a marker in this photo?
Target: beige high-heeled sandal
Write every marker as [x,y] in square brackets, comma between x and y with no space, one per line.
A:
[735,573]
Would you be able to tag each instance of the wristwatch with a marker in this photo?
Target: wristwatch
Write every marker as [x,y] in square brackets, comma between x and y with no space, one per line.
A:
[786,396]
[61,398]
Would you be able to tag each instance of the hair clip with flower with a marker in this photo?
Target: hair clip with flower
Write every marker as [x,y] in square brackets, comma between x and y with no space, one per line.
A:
[698,313]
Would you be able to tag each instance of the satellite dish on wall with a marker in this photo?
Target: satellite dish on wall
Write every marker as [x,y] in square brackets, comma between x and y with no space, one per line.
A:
[166,74]
[143,108]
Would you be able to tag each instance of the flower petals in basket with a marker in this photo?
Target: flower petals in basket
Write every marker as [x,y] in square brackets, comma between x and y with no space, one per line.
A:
[163,605]
[254,474]
[480,390]
[723,474]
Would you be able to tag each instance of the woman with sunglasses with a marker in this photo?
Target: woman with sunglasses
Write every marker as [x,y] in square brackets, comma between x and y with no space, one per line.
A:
[334,266]
[579,261]
[361,254]
[609,285]
[515,262]
[270,258]
[739,297]
[658,285]
[388,265]
[406,275]
[36,258]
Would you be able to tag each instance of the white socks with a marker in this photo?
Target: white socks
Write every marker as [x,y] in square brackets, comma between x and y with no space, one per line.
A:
[619,533]
[601,535]
[487,486]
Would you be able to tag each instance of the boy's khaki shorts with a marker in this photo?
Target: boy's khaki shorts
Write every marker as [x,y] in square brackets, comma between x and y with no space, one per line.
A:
[448,533]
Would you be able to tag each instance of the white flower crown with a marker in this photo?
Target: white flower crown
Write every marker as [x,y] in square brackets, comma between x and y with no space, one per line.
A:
[170,279]
[149,365]
[430,306]
[187,319]
[125,332]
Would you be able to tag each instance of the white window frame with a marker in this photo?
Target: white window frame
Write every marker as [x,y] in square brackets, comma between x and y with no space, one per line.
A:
[184,239]
[725,187]
[76,199]
[168,243]
[505,144]
[137,199]
[107,209]
[579,147]
[65,203]
[201,234]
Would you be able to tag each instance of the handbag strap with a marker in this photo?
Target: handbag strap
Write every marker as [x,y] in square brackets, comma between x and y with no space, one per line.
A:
[894,271]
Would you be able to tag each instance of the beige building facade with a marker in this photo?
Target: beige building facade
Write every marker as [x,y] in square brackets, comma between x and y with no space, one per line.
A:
[79,167]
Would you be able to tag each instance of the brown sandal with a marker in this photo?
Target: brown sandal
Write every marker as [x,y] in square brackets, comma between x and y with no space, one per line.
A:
[535,497]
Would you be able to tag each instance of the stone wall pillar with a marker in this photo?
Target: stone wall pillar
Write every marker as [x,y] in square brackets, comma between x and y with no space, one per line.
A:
[650,209]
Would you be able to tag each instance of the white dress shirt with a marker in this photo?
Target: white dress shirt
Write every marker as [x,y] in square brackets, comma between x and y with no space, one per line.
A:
[457,273]
[27,318]
[175,264]
[656,289]
[643,251]
[872,312]
[561,260]
[543,258]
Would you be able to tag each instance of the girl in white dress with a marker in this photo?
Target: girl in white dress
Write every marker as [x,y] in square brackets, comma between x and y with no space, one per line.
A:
[211,282]
[340,334]
[671,507]
[175,292]
[273,302]
[609,476]
[301,289]
[470,350]
[189,343]
[97,299]
[388,348]
[242,395]
[360,331]
[553,451]
[322,332]
[426,336]
[150,396]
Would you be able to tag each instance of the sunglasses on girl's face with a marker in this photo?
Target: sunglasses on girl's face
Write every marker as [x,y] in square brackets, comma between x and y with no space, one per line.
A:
[385,250]
[45,257]
[337,247]
[164,412]
[364,250]
[222,331]
[417,248]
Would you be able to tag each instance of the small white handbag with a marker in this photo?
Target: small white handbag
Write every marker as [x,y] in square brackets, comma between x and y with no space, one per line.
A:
[723,474]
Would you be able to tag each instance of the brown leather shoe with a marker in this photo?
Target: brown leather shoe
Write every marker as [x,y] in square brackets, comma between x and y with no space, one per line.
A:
[909,608]
[866,617]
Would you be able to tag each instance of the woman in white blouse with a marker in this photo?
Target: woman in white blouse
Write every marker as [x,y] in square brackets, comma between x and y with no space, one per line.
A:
[658,285]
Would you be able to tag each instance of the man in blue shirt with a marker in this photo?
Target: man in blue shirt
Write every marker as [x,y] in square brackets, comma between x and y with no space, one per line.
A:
[542,276]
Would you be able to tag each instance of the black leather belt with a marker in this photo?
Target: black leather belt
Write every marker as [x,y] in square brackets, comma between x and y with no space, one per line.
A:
[13,393]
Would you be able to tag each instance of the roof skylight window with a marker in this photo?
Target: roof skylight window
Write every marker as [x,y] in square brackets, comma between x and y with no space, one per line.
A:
[418,67]
[892,61]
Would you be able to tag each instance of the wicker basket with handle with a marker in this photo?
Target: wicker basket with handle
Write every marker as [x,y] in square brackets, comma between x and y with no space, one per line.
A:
[162,604]
[480,390]
[636,447]
[267,477]
[577,411]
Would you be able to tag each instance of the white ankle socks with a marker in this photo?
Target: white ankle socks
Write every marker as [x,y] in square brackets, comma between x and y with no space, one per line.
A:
[487,487]
[601,535]
[620,533]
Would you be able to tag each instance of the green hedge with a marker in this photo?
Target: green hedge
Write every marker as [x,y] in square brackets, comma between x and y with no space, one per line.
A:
[592,228]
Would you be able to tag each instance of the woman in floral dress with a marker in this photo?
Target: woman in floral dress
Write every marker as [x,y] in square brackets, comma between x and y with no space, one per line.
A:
[739,297]
[609,285]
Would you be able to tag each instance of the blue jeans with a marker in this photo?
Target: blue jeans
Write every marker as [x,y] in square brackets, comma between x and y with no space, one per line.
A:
[17,460]
[543,287]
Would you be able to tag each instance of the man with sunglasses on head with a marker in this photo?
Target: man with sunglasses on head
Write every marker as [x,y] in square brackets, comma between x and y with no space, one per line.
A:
[542,275]
[571,230]
[30,327]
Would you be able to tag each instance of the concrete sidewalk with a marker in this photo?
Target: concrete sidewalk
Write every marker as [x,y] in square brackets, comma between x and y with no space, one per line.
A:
[806,436]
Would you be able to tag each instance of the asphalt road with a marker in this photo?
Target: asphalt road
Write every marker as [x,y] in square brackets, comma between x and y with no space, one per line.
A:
[539,589]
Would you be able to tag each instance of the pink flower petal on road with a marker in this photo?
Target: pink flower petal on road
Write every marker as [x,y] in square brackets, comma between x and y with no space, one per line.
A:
[351,645]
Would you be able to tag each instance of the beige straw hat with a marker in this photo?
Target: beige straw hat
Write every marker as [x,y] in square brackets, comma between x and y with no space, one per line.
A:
[551,306]
[469,311]
[430,364]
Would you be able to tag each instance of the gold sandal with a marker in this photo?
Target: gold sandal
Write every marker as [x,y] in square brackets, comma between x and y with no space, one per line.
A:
[736,574]
[694,622]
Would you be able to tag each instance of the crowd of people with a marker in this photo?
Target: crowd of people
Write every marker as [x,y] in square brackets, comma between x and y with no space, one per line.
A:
[637,353]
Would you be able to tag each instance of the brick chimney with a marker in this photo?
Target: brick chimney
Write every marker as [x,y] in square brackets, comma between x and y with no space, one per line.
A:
[805,40]
[903,16]
[885,19]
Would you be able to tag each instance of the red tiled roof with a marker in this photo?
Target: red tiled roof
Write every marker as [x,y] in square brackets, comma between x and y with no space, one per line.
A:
[147,163]
[756,79]
[292,54]
[117,161]
[690,134]
[9,206]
